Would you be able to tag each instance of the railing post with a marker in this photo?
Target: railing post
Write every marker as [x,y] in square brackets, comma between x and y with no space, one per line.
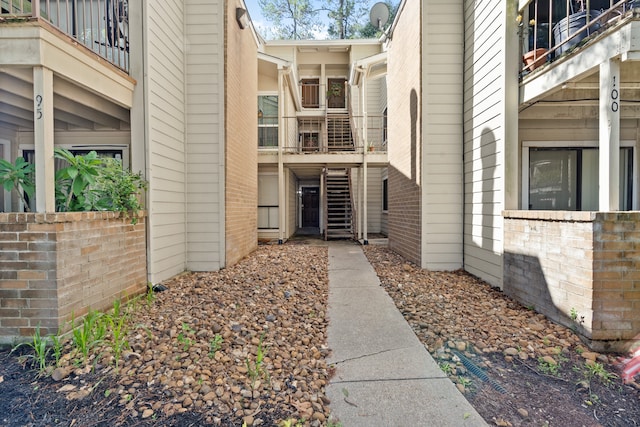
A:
[35,8]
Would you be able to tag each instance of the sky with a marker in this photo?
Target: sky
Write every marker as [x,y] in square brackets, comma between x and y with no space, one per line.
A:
[262,25]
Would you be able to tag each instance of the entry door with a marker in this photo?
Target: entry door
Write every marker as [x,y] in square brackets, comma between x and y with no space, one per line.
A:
[335,93]
[311,207]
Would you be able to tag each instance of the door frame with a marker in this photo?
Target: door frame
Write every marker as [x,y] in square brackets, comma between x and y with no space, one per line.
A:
[320,204]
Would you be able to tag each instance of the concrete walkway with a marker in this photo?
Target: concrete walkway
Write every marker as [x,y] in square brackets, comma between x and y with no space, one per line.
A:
[384,375]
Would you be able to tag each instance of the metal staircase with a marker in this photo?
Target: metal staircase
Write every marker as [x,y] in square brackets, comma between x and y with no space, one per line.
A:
[339,212]
[339,135]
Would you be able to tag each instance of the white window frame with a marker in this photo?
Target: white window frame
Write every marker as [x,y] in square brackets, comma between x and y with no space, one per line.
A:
[277,125]
[526,145]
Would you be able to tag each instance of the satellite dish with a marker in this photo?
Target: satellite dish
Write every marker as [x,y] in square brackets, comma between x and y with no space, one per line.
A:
[379,15]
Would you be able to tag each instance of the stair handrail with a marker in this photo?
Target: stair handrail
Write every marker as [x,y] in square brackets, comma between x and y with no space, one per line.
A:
[354,214]
[325,203]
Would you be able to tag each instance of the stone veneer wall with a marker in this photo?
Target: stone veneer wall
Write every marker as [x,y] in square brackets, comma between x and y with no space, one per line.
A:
[557,261]
[55,266]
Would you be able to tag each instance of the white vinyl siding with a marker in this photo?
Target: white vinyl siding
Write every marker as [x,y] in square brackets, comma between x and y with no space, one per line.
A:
[484,136]
[166,135]
[204,133]
[442,198]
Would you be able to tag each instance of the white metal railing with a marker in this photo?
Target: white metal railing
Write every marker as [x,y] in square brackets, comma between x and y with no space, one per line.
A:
[100,25]
[550,28]
[319,135]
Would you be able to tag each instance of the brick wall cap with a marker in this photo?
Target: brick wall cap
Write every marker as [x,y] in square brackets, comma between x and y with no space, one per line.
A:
[58,217]
[569,216]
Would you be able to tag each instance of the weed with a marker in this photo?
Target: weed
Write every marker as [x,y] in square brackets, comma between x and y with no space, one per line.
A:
[38,345]
[183,337]
[578,321]
[597,370]
[334,424]
[214,345]
[119,325]
[151,296]
[446,368]
[90,333]
[256,371]
[464,381]
[58,343]
[573,314]
[548,367]
[579,350]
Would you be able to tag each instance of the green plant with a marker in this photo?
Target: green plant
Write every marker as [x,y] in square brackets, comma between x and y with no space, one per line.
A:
[38,345]
[73,182]
[119,325]
[573,314]
[547,367]
[117,189]
[57,346]
[151,296]
[183,337]
[88,334]
[18,176]
[255,370]
[446,367]
[597,370]
[464,381]
[214,345]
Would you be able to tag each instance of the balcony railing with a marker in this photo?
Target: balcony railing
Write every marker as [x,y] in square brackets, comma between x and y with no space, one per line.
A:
[334,134]
[551,28]
[100,25]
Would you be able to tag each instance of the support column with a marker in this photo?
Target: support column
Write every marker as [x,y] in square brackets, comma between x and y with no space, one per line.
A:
[281,141]
[358,203]
[609,153]
[43,139]
[365,134]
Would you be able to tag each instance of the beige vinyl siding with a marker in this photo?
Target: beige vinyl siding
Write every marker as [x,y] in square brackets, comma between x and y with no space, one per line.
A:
[442,198]
[165,116]
[484,136]
[292,203]
[204,153]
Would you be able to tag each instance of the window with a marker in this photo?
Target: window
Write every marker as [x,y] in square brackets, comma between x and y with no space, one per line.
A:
[267,201]
[385,195]
[568,178]
[310,89]
[268,121]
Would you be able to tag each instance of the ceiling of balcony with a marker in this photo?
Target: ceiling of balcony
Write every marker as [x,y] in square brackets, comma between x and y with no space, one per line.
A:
[75,108]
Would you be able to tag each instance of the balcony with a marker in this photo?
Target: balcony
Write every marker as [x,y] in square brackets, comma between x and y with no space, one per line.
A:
[100,25]
[333,133]
[565,42]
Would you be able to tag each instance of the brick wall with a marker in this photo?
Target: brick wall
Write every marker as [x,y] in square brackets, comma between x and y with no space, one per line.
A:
[241,130]
[405,129]
[587,262]
[53,266]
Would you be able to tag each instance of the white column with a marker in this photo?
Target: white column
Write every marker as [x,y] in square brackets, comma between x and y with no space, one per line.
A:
[358,202]
[281,141]
[43,139]
[609,153]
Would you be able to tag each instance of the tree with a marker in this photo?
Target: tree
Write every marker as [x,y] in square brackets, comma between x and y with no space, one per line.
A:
[369,31]
[292,19]
[345,16]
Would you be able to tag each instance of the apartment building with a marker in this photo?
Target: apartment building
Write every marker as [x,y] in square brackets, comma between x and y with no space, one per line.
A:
[498,137]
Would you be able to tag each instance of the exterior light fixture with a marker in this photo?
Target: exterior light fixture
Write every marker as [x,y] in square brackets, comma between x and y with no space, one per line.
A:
[242,17]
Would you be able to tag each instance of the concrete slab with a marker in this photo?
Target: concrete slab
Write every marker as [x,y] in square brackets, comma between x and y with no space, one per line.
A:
[400,403]
[384,375]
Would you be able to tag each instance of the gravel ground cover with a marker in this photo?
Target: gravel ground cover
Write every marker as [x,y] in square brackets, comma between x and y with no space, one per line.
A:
[248,345]
[515,366]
